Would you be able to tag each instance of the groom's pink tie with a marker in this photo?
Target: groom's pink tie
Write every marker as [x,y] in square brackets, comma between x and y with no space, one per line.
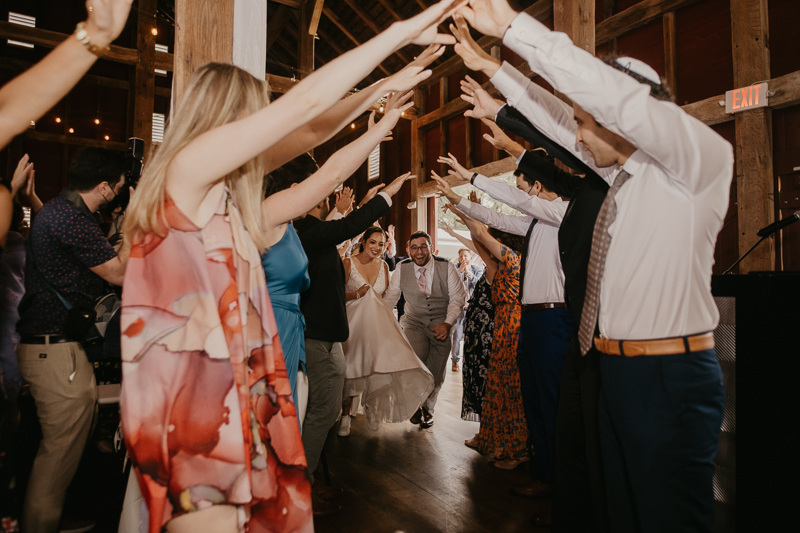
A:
[422,282]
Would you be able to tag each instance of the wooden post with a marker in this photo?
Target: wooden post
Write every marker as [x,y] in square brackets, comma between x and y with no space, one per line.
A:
[496,51]
[469,154]
[670,53]
[444,131]
[609,9]
[576,19]
[144,87]
[250,37]
[754,180]
[203,33]
[305,41]
[418,215]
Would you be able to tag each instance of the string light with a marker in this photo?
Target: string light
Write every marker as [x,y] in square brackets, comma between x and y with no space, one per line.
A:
[71,130]
[58,120]
[380,109]
[154,31]
[97,121]
[106,137]
[353,126]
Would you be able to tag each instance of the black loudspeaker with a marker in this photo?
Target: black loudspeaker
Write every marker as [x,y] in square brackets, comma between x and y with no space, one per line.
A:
[758,346]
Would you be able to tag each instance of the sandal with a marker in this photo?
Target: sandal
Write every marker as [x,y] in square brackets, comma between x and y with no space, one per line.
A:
[510,464]
[473,442]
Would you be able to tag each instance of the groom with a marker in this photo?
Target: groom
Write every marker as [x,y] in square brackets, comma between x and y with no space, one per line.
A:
[434,298]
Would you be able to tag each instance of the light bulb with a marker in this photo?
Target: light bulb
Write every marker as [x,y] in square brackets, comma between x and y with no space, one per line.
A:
[58,120]
[71,130]
[154,31]
[97,121]
[106,137]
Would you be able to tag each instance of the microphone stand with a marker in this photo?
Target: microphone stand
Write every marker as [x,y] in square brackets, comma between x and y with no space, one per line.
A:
[746,254]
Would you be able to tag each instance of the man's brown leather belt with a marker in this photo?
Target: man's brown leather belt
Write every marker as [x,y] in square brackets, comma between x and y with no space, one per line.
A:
[674,345]
[44,339]
[541,307]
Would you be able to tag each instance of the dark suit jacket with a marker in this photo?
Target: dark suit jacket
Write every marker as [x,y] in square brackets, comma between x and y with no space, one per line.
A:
[323,304]
[586,197]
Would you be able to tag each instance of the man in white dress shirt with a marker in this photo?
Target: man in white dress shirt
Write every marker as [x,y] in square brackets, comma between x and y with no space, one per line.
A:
[648,293]
[546,325]
[434,298]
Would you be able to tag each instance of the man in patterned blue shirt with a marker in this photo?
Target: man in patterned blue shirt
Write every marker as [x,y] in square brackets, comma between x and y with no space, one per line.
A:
[69,251]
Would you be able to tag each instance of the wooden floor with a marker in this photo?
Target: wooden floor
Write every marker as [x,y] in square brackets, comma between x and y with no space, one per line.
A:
[403,478]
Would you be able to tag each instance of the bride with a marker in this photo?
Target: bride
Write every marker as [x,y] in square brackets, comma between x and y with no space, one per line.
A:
[381,365]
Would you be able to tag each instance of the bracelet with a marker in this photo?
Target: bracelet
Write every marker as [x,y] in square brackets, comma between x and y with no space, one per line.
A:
[472,179]
[86,40]
[358,295]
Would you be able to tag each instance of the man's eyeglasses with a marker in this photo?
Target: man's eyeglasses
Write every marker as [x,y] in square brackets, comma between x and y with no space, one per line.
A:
[424,247]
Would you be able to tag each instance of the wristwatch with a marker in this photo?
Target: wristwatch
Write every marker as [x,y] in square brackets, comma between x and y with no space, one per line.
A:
[472,179]
[86,40]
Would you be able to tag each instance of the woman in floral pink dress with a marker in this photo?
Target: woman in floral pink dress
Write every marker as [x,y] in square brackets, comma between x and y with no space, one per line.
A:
[206,405]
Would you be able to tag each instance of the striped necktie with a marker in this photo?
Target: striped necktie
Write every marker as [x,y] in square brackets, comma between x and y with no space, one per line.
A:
[601,240]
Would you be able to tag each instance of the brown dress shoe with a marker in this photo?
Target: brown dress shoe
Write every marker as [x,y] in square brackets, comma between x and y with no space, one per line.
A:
[537,489]
[455,367]
[427,419]
[416,418]
[322,507]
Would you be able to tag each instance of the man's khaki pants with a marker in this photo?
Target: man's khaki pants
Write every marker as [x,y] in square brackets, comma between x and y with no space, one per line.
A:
[63,386]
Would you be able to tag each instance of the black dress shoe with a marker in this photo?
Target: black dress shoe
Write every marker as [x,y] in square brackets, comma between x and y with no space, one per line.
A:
[427,419]
[416,418]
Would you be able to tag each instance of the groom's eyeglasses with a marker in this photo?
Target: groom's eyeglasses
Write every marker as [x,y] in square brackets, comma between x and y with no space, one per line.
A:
[418,248]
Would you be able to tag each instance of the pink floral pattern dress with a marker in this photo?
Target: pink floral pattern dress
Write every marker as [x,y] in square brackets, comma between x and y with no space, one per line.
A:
[206,405]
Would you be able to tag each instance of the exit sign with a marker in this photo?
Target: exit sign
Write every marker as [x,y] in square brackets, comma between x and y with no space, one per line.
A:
[751,97]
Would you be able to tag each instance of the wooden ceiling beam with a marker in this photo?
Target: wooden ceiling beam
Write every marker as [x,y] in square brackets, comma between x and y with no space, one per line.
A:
[276,24]
[73,140]
[51,39]
[634,17]
[295,4]
[335,19]
[390,9]
[490,170]
[315,16]
[369,21]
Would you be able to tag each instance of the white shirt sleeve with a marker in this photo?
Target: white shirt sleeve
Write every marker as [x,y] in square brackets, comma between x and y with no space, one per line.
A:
[457,292]
[386,197]
[392,293]
[688,150]
[546,211]
[511,224]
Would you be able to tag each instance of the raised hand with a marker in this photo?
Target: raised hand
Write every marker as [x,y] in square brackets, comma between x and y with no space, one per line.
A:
[457,169]
[371,194]
[501,141]
[371,123]
[422,29]
[474,198]
[490,17]
[475,57]
[484,106]
[20,178]
[415,72]
[443,187]
[106,19]
[394,186]
[344,200]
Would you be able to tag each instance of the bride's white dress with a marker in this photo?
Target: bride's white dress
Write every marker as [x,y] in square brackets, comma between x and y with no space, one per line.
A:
[381,365]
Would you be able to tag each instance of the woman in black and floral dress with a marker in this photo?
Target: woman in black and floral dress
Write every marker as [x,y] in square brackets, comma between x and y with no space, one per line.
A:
[478,332]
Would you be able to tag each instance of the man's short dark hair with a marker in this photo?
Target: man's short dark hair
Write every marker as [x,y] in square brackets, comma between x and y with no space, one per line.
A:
[530,180]
[515,242]
[93,166]
[295,171]
[659,91]
[418,235]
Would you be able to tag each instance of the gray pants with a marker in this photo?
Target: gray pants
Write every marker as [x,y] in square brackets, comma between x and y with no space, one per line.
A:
[66,409]
[432,352]
[325,368]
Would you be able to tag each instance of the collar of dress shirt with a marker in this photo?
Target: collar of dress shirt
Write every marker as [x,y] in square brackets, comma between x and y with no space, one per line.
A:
[635,162]
[428,266]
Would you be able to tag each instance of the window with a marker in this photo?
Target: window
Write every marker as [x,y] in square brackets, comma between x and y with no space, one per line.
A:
[161,48]
[158,127]
[374,164]
[21,20]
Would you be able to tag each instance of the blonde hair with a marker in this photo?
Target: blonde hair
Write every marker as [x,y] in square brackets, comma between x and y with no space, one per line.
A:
[218,93]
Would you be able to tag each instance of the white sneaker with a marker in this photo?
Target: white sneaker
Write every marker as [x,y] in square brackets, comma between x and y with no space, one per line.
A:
[344,427]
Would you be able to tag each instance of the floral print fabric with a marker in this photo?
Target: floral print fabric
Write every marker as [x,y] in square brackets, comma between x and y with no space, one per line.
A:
[206,404]
[478,330]
[504,431]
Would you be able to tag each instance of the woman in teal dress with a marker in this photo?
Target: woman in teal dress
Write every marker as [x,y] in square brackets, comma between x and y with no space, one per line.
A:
[286,267]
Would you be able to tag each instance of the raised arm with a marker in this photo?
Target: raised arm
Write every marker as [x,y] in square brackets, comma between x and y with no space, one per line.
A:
[286,205]
[199,165]
[466,242]
[344,111]
[31,94]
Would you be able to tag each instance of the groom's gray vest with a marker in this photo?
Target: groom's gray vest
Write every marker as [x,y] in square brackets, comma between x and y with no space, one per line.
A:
[425,310]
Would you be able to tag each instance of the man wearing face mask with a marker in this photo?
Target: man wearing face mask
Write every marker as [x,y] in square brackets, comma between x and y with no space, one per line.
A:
[546,325]
[67,253]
